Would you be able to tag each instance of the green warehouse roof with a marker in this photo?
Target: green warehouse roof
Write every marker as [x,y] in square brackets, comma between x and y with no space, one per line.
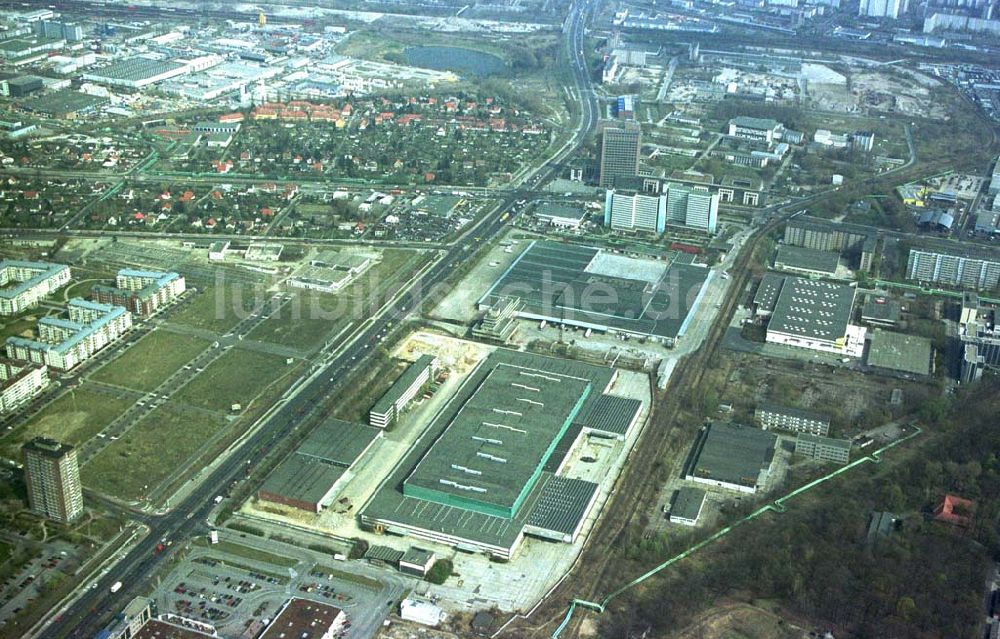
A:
[493,451]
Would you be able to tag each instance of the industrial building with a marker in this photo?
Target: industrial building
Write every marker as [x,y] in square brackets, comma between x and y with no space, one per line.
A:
[766,297]
[807,261]
[823,448]
[590,288]
[421,611]
[135,73]
[263,252]
[52,474]
[20,382]
[388,408]
[823,235]
[330,271]
[971,268]
[816,315]
[499,322]
[687,506]
[900,353]
[755,129]
[732,456]
[792,419]
[620,149]
[880,310]
[312,474]
[305,619]
[560,215]
[64,343]
[141,292]
[23,284]
[489,469]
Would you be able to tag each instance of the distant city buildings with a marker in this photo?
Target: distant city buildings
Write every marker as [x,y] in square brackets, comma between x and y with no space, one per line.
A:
[20,382]
[620,147]
[882,8]
[52,475]
[975,270]
[64,343]
[141,292]
[25,283]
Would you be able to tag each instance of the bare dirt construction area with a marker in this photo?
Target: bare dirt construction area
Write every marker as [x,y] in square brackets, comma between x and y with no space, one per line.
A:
[901,91]
[739,620]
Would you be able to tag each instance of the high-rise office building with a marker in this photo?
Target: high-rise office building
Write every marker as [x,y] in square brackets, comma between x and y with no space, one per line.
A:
[677,204]
[620,148]
[882,8]
[53,478]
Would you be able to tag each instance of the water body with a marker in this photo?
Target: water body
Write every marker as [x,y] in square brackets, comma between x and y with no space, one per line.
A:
[457,59]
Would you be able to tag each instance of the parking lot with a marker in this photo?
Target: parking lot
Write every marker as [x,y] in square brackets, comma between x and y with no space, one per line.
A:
[240,581]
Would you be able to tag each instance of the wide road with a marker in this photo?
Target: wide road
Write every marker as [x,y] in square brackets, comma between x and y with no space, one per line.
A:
[91,611]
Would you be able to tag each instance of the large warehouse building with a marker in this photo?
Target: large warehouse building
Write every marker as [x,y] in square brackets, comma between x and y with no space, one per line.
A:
[490,468]
[586,287]
[816,315]
[309,478]
[733,457]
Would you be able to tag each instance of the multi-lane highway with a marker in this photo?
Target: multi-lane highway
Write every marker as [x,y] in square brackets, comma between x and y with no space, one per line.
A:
[87,614]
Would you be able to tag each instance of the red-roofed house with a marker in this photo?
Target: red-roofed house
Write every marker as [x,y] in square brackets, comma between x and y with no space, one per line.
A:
[231,117]
[955,511]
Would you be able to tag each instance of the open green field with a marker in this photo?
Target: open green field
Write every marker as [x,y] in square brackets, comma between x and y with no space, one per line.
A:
[217,309]
[237,377]
[311,317]
[73,418]
[152,360]
[305,321]
[141,459]
[246,552]
[20,325]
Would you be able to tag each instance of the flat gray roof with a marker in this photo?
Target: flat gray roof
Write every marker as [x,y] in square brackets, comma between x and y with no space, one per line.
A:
[732,454]
[900,352]
[768,290]
[806,259]
[134,69]
[561,505]
[555,281]
[813,309]
[880,308]
[611,414]
[688,502]
[322,458]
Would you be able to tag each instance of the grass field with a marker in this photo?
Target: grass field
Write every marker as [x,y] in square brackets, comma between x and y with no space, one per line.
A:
[21,325]
[235,378]
[312,316]
[73,418]
[135,464]
[153,359]
[216,309]
[305,321]
[246,552]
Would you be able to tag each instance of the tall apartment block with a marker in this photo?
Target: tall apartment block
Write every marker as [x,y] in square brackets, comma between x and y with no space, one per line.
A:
[620,146]
[971,270]
[53,477]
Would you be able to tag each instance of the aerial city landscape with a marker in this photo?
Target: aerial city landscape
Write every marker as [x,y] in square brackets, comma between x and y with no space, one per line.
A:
[552,319]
